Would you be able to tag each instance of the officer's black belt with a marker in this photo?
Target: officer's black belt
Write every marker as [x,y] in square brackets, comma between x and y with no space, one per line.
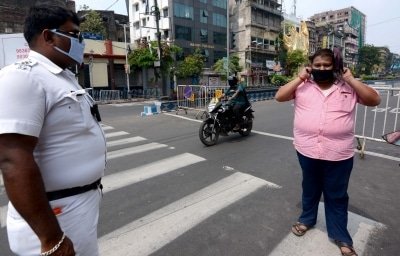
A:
[58,194]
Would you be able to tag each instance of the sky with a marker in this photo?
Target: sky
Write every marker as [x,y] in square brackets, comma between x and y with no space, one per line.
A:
[383,16]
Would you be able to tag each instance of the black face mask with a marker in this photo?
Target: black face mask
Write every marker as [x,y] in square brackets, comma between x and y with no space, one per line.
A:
[322,75]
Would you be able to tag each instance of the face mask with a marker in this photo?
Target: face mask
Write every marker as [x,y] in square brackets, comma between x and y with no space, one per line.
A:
[76,50]
[322,75]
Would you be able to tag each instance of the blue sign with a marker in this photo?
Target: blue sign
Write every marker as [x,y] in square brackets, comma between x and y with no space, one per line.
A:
[94,36]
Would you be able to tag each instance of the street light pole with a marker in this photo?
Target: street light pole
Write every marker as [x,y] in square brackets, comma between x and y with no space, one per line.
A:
[227,39]
[127,69]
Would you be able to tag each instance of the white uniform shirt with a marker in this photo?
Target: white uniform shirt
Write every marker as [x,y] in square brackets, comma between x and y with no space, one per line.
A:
[40,99]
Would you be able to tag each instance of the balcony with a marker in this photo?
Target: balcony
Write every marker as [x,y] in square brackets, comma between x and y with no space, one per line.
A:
[252,3]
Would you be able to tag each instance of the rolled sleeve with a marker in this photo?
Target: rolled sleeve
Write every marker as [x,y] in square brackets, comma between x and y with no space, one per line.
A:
[22,103]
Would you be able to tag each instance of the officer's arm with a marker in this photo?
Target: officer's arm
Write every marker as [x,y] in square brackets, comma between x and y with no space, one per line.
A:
[25,189]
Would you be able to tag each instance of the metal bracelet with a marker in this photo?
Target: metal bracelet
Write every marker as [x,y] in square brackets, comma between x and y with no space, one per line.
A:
[55,248]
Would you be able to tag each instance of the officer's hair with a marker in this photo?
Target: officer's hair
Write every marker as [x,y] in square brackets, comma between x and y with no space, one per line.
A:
[42,17]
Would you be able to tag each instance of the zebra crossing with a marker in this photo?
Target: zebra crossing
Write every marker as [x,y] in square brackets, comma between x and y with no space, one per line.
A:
[147,234]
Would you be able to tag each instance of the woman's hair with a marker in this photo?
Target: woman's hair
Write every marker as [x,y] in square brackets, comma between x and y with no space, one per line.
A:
[42,17]
[336,57]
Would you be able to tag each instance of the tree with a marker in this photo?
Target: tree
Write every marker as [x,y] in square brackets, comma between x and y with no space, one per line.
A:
[294,60]
[234,66]
[368,57]
[93,23]
[192,66]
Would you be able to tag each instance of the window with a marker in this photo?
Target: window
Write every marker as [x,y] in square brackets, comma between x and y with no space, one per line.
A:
[182,32]
[219,38]
[183,11]
[144,22]
[165,12]
[203,16]
[218,55]
[136,7]
[219,3]
[219,20]
[205,54]
[204,35]
[136,25]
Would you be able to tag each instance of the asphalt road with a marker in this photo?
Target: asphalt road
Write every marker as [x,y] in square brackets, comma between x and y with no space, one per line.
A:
[168,194]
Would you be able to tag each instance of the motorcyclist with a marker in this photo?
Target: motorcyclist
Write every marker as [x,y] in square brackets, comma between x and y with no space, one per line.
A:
[238,99]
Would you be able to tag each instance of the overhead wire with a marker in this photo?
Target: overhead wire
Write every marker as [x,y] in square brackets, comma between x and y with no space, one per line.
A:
[116,1]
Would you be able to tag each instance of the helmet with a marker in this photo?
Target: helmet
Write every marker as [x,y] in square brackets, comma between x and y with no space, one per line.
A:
[232,81]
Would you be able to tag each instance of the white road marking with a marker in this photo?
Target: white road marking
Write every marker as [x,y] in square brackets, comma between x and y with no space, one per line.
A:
[129,104]
[115,134]
[125,178]
[124,141]
[316,242]
[148,234]
[3,216]
[134,150]
[128,177]
[106,128]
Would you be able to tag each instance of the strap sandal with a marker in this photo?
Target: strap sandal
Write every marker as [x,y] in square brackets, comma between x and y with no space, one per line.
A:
[342,245]
[299,229]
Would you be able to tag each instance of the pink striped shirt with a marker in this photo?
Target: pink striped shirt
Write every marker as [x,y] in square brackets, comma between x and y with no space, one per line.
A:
[324,125]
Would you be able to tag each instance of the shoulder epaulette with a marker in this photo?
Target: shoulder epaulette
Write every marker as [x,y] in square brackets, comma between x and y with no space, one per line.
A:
[25,64]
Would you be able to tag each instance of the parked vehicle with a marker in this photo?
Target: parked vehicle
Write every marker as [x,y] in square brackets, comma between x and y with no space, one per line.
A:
[221,121]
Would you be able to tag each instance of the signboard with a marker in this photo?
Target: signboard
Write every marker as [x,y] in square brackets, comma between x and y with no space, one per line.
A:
[218,93]
[213,81]
[94,36]
[270,64]
[13,47]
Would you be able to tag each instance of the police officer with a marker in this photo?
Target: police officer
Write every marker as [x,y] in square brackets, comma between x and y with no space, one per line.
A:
[52,149]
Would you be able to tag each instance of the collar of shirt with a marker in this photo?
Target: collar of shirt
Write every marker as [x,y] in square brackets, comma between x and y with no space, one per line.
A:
[338,84]
[48,64]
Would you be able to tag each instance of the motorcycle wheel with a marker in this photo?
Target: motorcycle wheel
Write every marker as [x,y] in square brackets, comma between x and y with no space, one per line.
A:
[248,125]
[208,133]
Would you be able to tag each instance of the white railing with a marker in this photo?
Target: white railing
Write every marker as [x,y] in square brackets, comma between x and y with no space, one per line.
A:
[371,125]
[197,97]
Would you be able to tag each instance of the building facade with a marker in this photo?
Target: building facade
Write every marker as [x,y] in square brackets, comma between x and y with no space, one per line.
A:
[13,12]
[191,25]
[113,23]
[255,25]
[343,28]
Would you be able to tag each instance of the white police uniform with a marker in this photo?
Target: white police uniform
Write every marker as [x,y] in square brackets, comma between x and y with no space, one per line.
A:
[40,99]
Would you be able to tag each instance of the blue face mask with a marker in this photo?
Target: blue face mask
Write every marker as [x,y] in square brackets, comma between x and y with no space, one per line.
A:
[77,48]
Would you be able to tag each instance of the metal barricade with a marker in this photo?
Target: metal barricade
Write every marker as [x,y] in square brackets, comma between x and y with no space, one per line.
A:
[371,125]
[197,97]
[108,95]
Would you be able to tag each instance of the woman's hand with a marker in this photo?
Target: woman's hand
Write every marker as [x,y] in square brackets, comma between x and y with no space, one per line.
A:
[304,74]
[347,75]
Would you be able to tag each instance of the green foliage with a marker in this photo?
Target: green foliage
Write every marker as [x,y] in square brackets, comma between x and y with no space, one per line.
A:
[368,59]
[279,80]
[168,52]
[142,58]
[294,60]
[191,66]
[93,23]
[369,77]
[145,55]
[234,66]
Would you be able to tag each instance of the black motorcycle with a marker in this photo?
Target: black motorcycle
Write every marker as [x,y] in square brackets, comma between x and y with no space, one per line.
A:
[221,121]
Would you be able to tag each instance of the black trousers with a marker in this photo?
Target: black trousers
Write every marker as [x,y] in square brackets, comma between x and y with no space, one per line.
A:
[238,112]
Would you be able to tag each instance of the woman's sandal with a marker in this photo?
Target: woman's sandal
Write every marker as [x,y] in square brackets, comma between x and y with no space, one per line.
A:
[341,245]
[299,229]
